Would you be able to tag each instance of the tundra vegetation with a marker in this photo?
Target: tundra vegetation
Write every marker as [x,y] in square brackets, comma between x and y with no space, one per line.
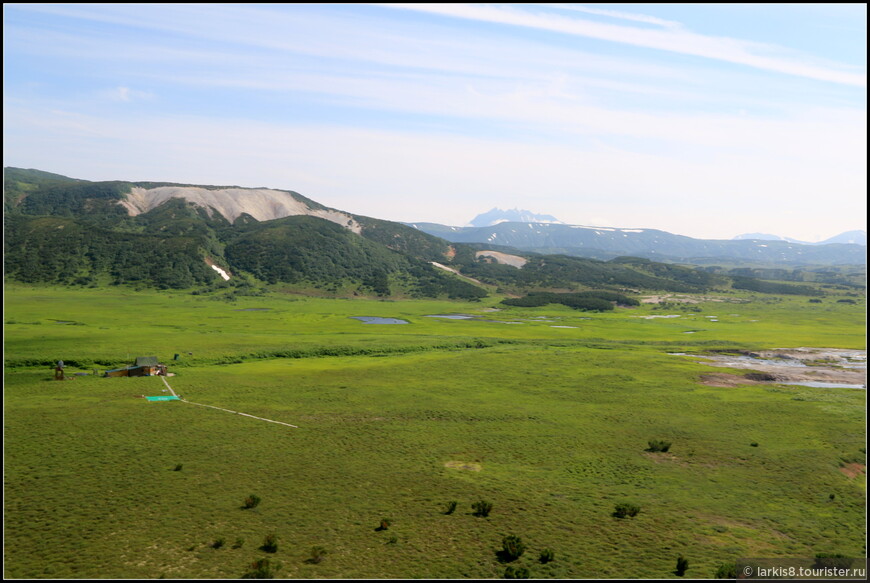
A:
[545,420]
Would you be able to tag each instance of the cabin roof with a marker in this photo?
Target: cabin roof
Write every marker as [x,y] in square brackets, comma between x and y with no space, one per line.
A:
[146,361]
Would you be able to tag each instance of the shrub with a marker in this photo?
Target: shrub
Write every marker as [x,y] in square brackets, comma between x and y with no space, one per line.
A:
[384,525]
[317,554]
[512,572]
[513,548]
[218,543]
[270,544]
[239,542]
[482,508]
[178,467]
[546,556]
[261,569]
[658,445]
[251,501]
[726,571]
[451,506]
[624,509]
[754,444]
[682,565]
[392,540]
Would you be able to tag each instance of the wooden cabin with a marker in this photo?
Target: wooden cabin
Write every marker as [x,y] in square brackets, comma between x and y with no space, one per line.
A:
[145,366]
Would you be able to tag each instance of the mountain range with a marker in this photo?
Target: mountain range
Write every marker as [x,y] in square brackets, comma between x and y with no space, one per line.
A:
[608,242]
[60,230]
[849,238]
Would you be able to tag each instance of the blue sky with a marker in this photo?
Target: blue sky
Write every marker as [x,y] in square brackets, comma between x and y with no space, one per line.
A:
[702,120]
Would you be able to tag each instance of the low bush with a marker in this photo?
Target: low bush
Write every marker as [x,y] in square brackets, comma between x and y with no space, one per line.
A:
[317,554]
[451,506]
[512,572]
[624,509]
[512,548]
[546,556]
[261,569]
[658,445]
[482,508]
[384,524]
[726,571]
[270,544]
[251,501]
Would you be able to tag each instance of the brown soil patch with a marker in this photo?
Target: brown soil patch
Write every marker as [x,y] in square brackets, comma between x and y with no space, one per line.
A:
[721,379]
[853,470]
[471,466]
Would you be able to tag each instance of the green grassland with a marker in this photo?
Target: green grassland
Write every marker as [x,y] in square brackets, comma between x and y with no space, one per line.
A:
[395,421]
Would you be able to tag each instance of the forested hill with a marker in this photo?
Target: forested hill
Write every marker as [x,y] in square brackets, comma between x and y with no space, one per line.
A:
[60,230]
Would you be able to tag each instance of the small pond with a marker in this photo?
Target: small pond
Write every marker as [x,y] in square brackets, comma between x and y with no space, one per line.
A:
[454,316]
[378,320]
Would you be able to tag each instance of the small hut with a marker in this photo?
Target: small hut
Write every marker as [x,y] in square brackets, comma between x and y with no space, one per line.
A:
[145,366]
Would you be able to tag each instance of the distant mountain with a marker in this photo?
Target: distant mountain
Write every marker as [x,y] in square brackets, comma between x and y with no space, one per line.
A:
[607,243]
[847,238]
[496,216]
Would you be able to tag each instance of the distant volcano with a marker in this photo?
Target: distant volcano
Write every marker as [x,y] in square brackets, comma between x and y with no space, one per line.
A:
[496,216]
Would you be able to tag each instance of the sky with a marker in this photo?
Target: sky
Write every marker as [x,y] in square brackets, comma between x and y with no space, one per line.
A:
[705,120]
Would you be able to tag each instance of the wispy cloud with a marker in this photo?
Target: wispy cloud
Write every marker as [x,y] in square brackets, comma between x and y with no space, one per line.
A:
[616,14]
[752,54]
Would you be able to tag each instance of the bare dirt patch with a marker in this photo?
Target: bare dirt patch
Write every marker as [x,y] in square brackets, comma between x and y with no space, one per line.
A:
[721,379]
[853,470]
[789,365]
[470,466]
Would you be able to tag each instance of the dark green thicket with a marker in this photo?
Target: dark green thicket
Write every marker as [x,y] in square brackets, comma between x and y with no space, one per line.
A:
[261,569]
[771,287]
[682,565]
[546,556]
[512,548]
[658,445]
[599,301]
[270,544]
[559,271]
[726,571]
[451,507]
[317,555]
[625,509]
[482,508]
[251,501]
[512,572]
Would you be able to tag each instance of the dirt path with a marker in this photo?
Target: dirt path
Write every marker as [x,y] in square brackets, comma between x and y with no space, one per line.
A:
[221,409]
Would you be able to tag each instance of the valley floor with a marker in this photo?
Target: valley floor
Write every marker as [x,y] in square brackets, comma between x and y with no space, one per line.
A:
[550,424]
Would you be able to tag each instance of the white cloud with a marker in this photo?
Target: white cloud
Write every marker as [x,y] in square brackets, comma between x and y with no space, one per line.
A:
[617,14]
[674,40]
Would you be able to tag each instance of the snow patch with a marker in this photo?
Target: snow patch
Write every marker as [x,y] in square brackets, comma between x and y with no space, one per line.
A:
[222,273]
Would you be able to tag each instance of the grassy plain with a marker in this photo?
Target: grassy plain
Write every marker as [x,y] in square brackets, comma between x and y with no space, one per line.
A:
[547,423]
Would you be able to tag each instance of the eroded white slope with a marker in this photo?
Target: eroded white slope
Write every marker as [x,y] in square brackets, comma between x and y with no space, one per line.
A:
[261,203]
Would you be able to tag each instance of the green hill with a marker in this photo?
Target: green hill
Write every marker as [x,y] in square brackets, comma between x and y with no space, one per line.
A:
[66,231]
